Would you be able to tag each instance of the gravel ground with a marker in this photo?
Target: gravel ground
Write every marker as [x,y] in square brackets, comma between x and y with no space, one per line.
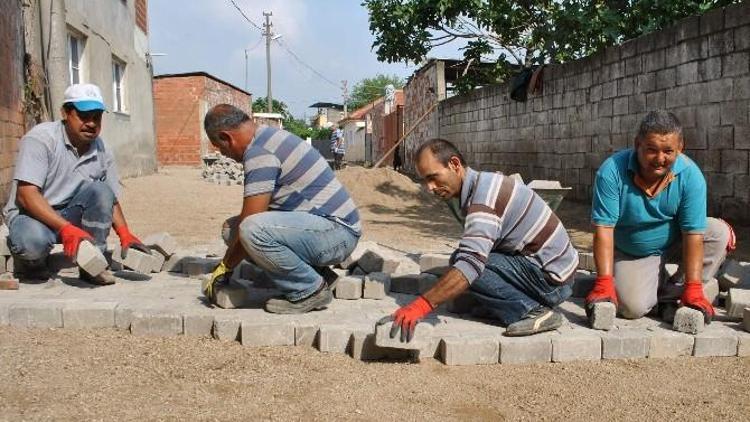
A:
[106,374]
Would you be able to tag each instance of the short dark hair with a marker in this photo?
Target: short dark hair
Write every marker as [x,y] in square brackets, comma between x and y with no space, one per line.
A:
[223,117]
[442,150]
[660,122]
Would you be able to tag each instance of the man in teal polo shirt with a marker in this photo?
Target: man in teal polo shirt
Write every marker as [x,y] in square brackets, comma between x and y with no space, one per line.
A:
[649,207]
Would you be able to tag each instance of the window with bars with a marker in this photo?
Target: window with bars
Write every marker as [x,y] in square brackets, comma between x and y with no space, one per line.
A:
[118,85]
[75,55]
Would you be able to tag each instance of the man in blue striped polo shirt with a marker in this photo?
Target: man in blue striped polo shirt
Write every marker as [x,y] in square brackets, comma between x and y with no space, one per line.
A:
[515,256]
[296,218]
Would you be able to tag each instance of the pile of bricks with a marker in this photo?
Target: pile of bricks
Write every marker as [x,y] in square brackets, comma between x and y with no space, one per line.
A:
[222,170]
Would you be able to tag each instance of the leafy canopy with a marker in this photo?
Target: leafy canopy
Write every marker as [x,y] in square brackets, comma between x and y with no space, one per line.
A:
[369,89]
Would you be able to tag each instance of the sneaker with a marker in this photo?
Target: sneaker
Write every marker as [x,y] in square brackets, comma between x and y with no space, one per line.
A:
[667,310]
[104,279]
[537,321]
[318,300]
[329,276]
[31,270]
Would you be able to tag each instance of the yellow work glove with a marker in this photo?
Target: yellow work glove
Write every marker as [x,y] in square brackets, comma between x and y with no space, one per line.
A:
[220,275]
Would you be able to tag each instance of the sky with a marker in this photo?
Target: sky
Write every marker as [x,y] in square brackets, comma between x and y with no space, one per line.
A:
[330,36]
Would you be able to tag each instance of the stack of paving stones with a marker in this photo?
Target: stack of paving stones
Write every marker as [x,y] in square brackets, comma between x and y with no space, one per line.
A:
[7,281]
[223,171]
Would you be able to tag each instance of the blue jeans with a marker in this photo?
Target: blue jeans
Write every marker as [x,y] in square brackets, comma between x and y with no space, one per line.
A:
[90,208]
[288,244]
[511,286]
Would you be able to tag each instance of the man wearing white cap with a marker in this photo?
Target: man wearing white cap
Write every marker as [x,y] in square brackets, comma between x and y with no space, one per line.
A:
[65,189]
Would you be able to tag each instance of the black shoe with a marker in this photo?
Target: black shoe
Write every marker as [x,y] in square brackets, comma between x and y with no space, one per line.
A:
[106,278]
[667,311]
[537,321]
[318,300]
[329,276]
[31,270]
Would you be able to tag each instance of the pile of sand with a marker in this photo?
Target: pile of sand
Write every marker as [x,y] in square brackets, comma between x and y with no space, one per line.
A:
[384,187]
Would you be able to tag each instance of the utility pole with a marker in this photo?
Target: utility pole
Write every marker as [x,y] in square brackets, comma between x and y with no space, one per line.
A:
[246,69]
[345,95]
[268,34]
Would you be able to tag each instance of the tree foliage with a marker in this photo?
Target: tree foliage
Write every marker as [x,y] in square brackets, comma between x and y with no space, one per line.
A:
[261,103]
[369,89]
[517,34]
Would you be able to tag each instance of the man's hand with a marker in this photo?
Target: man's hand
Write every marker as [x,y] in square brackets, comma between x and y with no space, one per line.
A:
[406,318]
[128,240]
[220,275]
[693,297]
[603,291]
[71,237]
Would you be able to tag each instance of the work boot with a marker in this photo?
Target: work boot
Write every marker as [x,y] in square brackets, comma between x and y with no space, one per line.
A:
[104,279]
[329,276]
[31,270]
[318,300]
[537,321]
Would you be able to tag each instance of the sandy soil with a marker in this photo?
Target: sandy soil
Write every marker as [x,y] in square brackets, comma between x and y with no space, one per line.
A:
[67,374]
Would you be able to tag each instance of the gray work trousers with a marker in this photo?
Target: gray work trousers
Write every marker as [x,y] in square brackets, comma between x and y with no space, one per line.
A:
[642,282]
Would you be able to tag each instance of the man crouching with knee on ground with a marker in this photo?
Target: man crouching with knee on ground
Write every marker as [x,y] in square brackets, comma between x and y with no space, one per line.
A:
[649,208]
[515,256]
[296,218]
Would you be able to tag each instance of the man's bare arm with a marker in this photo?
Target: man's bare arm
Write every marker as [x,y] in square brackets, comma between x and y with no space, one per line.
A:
[450,285]
[604,250]
[692,256]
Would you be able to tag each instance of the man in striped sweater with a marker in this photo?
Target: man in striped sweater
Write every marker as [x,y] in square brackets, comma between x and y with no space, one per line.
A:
[515,256]
[296,217]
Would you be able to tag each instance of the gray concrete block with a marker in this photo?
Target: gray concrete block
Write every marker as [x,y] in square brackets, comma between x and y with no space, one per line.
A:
[408,284]
[123,317]
[162,242]
[603,316]
[135,260]
[174,263]
[664,343]
[688,320]
[746,319]
[226,328]
[35,315]
[356,271]
[362,347]
[571,347]
[716,342]
[462,304]
[586,261]
[8,282]
[156,324]
[90,258]
[9,264]
[5,314]
[625,344]
[437,264]
[731,275]
[421,340]
[376,286]
[232,297]
[305,335]
[266,334]
[743,344]
[4,249]
[737,301]
[333,338]
[359,250]
[349,287]
[469,351]
[158,261]
[197,325]
[89,315]
[2,263]
[379,261]
[195,267]
[427,281]
[583,284]
[532,349]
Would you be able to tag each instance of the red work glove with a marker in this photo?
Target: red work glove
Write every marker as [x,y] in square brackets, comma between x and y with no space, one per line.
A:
[603,290]
[693,297]
[128,240]
[407,317]
[72,236]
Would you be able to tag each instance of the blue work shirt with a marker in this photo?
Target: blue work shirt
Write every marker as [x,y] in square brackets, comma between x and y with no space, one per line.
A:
[648,226]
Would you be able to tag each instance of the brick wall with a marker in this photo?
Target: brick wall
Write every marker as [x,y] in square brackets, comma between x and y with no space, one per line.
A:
[141,15]
[699,69]
[11,92]
[424,88]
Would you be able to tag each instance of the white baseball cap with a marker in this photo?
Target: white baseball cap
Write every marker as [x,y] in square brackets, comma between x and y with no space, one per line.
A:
[85,97]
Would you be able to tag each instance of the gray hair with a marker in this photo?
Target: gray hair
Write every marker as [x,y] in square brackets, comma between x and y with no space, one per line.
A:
[660,122]
[223,117]
[442,150]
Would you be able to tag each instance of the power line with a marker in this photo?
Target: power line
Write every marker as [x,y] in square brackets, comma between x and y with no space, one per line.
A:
[245,16]
[302,62]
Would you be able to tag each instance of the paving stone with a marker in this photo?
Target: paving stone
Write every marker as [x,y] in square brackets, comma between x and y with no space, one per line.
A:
[746,319]
[195,267]
[197,325]
[2,263]
[743,346]
[4,313]
[469,351]
[383,261]
[407,283]
[89,314]
[135,260]
[436,264]
[462,304]
[603,316]
[305,335]
[625,344]
[421,339]
[266,334]
[376,286]
[716,342]
[583,284]
[8,282]
[4,249]
[427,281]
[333,338]
[232,297]
[688,320]
[174,263]
[156,324]
[356,271]
[671,269]
[158,261]
[123,317]
[9,264]
[664,343]
[532,349]
[90,258]
[359,250]
[572,347]
[162,242]
[737,301]
[731,275]
[226,328]
[349,287]
[35,315]
[586,261]
[362,347]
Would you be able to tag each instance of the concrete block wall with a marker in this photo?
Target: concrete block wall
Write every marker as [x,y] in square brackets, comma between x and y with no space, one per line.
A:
[12,124]
[699,69]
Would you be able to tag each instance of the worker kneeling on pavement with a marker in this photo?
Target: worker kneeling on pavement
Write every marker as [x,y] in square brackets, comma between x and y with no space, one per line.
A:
[65,189]
[296,218]
[649,207]
[514,256]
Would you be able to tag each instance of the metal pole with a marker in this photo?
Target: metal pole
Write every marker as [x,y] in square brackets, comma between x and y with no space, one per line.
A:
[246,69]
[269,96]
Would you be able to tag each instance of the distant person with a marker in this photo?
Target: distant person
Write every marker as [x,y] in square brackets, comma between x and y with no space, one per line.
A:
[514,257]
[65,189]
[296,218]
[649,208]
[338,147]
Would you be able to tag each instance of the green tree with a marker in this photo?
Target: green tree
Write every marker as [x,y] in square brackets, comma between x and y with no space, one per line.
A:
[369,89]
[515,34]
[260,104]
